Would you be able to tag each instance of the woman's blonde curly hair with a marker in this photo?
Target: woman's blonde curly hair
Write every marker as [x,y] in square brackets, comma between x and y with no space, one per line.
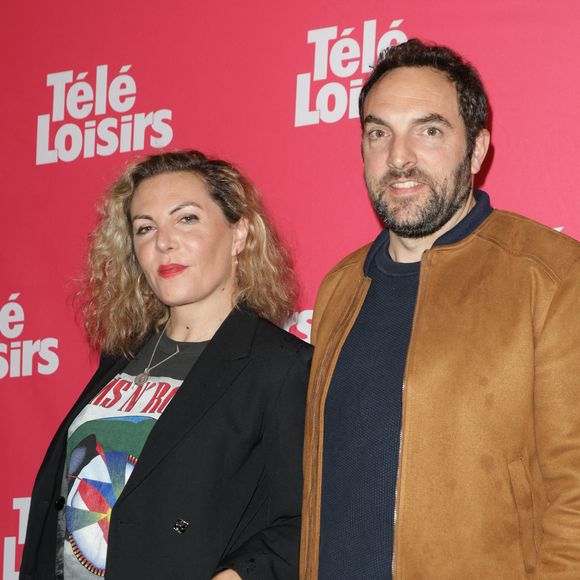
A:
[119,308]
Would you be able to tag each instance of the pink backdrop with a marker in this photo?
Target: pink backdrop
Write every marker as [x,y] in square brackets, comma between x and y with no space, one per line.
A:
[270,86]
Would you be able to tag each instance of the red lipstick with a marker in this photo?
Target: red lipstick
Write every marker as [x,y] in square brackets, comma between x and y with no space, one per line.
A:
[170,270]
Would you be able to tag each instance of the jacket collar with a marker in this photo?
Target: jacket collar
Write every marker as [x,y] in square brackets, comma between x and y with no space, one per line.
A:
[478,214]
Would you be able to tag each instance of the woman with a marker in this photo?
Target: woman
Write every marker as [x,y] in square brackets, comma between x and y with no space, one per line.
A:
[182,457]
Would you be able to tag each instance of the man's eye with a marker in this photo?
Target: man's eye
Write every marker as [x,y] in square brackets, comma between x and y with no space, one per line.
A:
[432,131]
[375,134]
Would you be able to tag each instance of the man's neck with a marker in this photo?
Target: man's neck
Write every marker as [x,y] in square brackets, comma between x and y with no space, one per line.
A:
[410,250]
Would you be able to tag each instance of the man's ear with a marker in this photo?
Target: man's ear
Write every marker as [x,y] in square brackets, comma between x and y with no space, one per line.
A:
[480,148]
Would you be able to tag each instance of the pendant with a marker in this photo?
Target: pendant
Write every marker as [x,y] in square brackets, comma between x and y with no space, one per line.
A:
[141,378]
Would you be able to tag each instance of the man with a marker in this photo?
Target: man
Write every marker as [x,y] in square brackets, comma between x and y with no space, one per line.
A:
[443,431]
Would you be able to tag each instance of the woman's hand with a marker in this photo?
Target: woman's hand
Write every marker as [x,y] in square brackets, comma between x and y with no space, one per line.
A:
[227,575]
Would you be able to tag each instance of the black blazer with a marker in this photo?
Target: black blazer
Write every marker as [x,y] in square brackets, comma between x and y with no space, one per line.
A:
[225,456]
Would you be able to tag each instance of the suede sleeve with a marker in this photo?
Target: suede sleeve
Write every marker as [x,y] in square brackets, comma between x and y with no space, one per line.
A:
[557,421]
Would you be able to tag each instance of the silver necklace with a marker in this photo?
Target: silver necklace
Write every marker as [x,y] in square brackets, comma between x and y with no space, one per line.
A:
[143,377]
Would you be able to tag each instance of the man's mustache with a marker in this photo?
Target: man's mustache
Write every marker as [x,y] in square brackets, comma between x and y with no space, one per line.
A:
[414,173]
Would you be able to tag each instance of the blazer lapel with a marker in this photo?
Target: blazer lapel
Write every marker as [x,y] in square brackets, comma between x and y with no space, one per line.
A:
[104,374]
[217,368]
[50,473]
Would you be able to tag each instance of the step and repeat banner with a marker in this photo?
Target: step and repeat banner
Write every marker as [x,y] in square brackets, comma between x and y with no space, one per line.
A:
[273,87]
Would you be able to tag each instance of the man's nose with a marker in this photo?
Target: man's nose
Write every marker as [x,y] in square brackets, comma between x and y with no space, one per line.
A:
[401,154]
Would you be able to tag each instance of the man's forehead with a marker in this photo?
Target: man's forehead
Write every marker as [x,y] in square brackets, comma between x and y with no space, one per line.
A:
[420,87]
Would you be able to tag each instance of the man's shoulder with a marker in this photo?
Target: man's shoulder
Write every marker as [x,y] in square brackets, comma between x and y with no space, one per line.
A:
[525,238]
[352,264]
[338,288]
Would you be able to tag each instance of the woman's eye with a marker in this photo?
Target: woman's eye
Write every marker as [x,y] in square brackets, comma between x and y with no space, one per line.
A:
[141,230]
[189,218]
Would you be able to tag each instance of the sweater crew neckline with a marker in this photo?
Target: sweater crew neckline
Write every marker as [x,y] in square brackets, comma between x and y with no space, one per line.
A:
[379,252]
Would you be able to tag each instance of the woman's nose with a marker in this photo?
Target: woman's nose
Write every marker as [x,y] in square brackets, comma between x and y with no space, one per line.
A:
[166,239]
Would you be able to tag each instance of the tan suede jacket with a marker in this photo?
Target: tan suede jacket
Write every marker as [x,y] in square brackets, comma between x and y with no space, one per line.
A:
[489,469]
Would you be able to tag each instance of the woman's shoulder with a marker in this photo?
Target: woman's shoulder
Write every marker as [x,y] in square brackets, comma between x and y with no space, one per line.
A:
[273,332]
[270,336]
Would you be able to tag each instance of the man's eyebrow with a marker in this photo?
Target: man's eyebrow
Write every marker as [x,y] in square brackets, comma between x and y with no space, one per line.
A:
[430,118]
[433,118]
[376,120]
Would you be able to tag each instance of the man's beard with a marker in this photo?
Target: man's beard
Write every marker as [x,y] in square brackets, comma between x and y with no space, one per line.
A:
[431,214]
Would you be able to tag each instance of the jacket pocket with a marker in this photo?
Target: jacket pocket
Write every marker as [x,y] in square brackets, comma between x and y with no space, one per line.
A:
[524,501]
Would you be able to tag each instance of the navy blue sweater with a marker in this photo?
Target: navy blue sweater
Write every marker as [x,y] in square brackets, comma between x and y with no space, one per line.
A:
[362,420]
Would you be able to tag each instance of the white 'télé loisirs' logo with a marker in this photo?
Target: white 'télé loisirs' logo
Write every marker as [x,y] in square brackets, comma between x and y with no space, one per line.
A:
[347,59]
[23,358]
[92,116]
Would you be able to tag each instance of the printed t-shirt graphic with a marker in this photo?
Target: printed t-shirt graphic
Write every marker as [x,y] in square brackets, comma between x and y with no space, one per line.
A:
[103,452]
[105,441]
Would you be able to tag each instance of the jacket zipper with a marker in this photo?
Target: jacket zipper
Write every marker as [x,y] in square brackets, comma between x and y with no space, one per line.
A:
[404,391]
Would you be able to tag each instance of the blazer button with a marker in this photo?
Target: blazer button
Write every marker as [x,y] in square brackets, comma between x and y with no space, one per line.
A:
[59,503]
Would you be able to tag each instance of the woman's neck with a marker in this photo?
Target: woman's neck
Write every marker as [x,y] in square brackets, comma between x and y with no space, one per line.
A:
[192,323]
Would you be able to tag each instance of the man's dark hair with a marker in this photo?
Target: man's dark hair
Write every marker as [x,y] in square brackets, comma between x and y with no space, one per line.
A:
[471,96]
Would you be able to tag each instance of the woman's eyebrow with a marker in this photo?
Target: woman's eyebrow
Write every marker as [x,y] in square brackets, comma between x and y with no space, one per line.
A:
[184,204]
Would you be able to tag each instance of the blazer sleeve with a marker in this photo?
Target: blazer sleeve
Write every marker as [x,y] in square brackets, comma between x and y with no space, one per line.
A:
[556,408]
[40,544]
[274,551]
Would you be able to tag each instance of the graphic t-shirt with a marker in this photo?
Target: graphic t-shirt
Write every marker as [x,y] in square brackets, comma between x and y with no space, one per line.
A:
[104,444]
